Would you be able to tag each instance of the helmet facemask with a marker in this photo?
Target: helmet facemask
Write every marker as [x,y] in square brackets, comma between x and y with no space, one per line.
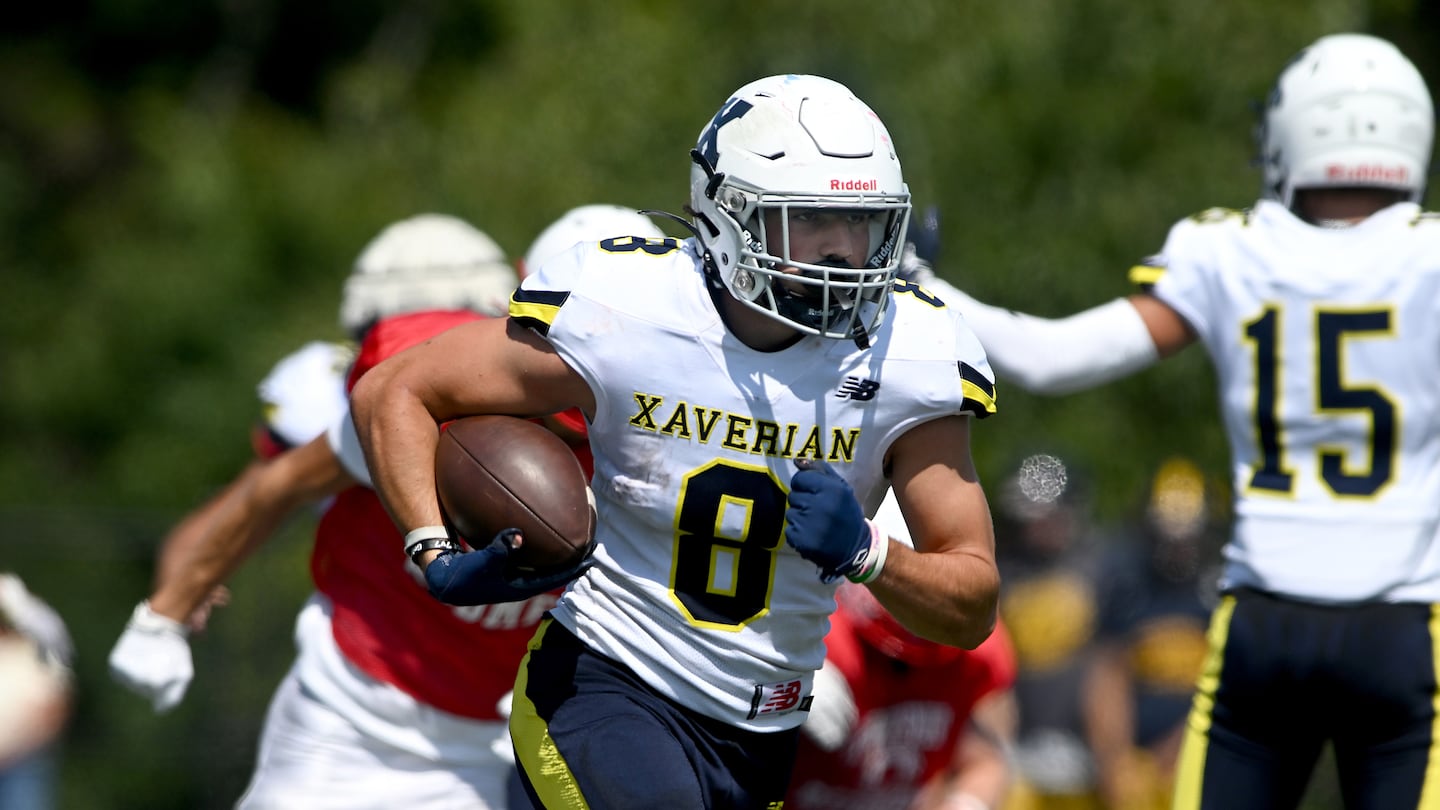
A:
[787,147]
[826,296]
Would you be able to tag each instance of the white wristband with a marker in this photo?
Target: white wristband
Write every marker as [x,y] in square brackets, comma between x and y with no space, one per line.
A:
[875,560]
[146,619]
[424,533]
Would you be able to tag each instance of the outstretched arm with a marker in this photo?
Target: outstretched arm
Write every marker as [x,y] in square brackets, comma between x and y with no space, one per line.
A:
[152,656]
[1084,350]
[244,517]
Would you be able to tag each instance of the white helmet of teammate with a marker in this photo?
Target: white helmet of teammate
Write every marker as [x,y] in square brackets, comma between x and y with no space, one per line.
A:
[1350,110]
[429,261]
[587,223]
[799,142]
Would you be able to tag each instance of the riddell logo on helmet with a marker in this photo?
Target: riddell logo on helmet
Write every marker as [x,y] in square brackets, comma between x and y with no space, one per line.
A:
[1367,173]
[855,185]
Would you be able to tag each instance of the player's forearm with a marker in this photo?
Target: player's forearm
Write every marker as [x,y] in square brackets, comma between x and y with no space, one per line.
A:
[948,597]
[179,546]
[1058,356]
[243,518]
[235,525]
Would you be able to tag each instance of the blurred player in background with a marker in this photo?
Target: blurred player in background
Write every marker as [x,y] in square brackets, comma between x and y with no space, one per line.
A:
[1319,308]
[901,723]
[393,700]
[742,433]
[1156,592]
[1046,549]
[300,397]
[36,696]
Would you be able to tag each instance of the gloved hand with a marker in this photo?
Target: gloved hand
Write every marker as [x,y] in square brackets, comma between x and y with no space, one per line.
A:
[481,577]
[825,525]
[832,711]
[152,658]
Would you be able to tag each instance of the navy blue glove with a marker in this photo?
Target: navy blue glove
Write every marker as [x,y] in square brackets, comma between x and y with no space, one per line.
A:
[825,525]
[483,576]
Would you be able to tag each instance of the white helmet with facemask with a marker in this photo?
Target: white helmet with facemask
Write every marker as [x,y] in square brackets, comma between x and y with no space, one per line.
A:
[791,143]
[1348,111]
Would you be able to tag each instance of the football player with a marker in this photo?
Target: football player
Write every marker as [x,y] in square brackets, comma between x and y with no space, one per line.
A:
[749,393]
[1319,307]
[902,722]
[394,698]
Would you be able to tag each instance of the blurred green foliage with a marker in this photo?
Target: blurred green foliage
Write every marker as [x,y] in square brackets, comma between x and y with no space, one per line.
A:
[183,187]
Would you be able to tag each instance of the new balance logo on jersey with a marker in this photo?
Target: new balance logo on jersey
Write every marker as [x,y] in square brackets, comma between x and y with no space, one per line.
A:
[776,698]
[858,389]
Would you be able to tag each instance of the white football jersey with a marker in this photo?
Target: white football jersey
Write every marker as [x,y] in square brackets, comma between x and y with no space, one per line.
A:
[695,436]
[1326,345]
[305,391]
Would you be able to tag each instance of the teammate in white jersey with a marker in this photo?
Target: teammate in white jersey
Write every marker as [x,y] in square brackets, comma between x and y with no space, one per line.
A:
[1320,310]
[750,394]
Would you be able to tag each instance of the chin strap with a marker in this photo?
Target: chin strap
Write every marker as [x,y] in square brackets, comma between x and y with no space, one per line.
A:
[682,222]
[862,340]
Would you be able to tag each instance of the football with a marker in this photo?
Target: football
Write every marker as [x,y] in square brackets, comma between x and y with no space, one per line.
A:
[500,472]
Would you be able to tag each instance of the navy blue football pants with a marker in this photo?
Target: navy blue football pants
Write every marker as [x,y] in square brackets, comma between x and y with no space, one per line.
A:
[1284,678]
[589,733]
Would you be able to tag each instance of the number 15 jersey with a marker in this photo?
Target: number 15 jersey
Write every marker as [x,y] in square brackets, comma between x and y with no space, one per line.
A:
[695,437]
[1326,345]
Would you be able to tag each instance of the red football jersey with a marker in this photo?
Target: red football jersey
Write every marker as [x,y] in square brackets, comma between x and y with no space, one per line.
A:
[459,659]
[910,719]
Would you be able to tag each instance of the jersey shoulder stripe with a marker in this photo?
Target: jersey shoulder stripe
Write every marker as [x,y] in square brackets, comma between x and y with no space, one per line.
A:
[537,308]
[978,389]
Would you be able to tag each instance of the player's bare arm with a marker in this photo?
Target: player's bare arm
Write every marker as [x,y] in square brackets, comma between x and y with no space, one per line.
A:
[1167,329]
[242,519]
[491,366]
[178,546]
[945,589]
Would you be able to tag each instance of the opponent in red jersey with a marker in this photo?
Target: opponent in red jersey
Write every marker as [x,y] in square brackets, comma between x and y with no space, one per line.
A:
[904,723]
[911,724]
[359,721]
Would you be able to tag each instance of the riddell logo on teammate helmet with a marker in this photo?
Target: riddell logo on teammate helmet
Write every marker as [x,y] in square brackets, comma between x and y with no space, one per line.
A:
[1367,173]
[855,185]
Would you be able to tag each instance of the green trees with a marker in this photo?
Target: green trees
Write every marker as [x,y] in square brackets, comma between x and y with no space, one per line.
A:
[183,187]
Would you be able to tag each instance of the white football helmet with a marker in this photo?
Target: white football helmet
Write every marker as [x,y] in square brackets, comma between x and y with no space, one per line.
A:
[1350,110]
[429,261]
[799,142]
[587,223]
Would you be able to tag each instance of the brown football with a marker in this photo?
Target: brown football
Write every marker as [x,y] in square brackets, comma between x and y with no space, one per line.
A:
[501,472]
